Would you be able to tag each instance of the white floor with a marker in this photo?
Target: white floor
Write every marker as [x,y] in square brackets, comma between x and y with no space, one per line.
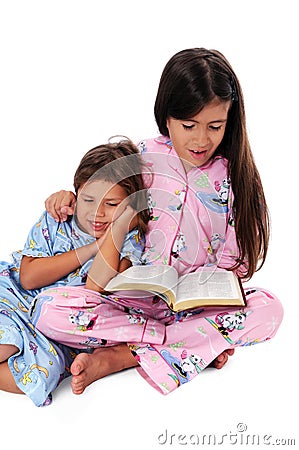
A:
[251,398]
[74,73]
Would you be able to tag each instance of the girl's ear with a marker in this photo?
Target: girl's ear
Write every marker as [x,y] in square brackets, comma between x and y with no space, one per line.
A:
[167,125]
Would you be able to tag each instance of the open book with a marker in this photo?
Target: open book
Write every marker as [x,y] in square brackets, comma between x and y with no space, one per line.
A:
[206,287]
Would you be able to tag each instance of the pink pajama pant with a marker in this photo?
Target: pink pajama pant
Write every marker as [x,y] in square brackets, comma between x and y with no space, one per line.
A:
[171,348]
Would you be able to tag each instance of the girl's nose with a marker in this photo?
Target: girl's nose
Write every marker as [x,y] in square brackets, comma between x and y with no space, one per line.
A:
[201,139]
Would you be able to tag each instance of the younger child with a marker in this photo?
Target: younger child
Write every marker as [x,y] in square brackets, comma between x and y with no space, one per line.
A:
[111,215]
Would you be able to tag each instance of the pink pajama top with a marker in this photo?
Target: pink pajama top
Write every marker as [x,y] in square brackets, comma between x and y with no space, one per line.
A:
[192,222]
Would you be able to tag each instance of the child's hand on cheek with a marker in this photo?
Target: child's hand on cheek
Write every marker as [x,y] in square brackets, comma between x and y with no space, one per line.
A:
[126,218]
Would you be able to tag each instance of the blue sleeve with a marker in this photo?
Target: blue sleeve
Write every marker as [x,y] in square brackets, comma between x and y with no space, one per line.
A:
[133,247]
[47,238]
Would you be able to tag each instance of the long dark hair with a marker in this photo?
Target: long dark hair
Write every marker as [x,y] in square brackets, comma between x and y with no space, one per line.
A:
[190,80]
[120,163]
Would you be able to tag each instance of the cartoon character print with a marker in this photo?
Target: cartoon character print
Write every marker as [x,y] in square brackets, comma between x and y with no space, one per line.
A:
[231,220]
[32,244]
[4,273]
[135,311]
[61,231]
[93,342]
[230,322]
[136,319]
[151,205]
[33,347]
[137,350]
[219,203]
[82,320]
[75,235]
[188,364]
[250,342]
[84,277]
[134,316]
[45,232]
[181,197]
[137,240]
[191,363]
[146,256]
[213,248]
[179,245]
[222,190]
[180,316]
[30,376]
[142,147]
[76,273]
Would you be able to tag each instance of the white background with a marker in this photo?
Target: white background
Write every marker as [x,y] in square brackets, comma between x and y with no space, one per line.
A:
[73,73]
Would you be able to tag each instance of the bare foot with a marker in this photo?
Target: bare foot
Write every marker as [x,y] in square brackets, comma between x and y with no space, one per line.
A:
[89,367]
[222,359]
[6,351]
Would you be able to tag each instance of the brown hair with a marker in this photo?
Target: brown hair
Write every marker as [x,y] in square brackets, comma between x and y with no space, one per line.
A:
[190,80]
[118,163]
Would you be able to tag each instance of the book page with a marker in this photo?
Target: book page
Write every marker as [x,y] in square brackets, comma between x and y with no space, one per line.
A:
[207,284]
[145,276]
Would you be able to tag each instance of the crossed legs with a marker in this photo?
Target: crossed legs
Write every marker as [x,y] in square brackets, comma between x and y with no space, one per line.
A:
[86,367]
[89,367]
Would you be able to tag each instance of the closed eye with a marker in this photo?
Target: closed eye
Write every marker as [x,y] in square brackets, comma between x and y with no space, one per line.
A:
[215,128]
[112,204]
[187,127]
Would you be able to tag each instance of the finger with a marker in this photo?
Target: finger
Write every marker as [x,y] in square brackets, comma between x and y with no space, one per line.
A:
[50,205]
[59,200]
[66,211]
[73,204]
